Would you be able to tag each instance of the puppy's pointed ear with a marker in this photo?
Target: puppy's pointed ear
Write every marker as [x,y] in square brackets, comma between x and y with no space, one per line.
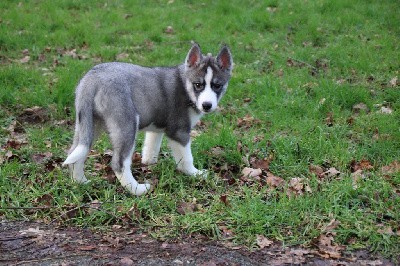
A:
[194,56]
[224,59]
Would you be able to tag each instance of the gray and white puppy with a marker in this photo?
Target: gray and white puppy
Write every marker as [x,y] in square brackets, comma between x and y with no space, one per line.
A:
[123,98]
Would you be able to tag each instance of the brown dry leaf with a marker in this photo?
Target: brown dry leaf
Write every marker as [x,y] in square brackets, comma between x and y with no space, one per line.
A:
[317,170]
[224,199]
[392,168]
[332,172]
[274,181]
[329,120]
[45,199]
[186,207]
[251,172]
[331,226]
[262,164]
[361,165]
[15,143]
[263,242]
[385,230]
[39,158]
[72,53]
[296,184]
[327,247]
[247,121]
[226,232]
[34,115]
[25,59]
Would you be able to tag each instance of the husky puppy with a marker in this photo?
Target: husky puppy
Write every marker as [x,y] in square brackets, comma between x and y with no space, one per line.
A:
[123,98]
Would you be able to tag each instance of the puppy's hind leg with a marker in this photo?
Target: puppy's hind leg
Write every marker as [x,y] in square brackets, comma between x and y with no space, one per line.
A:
[123,141]
[76,159]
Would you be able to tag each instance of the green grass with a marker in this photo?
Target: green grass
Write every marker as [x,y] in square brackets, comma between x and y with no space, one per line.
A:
[296,63]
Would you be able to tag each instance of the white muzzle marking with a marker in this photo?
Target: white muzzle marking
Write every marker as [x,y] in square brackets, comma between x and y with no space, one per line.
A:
[207,100]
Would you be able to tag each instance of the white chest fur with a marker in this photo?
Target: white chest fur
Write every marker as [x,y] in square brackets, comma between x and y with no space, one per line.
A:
[194,117]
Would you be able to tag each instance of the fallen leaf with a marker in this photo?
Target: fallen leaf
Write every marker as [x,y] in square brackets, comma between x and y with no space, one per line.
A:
[360,107]
[262,164]
[332,172]
[263,242]
[385,230]
[34,115]
[247,122]
[296,184]
[392,168]
[45,199]
[327,247]
[274,181]
[361,165]
[331,225]
[224,199]
[39,158]
[185,208]
[25,59]
[226,232]
[251,172]
[317,170]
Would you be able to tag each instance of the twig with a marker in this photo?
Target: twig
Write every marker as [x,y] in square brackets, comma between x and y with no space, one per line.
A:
[305,63]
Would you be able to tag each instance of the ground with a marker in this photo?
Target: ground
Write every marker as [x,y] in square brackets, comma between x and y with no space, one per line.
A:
[35,243]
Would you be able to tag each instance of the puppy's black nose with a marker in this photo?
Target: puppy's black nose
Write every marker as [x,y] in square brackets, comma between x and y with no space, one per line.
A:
[207,106]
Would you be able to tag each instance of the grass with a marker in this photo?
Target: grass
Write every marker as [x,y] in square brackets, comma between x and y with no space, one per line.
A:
[300,65]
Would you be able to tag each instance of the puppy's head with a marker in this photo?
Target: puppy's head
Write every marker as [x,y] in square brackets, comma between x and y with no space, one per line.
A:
[207,77]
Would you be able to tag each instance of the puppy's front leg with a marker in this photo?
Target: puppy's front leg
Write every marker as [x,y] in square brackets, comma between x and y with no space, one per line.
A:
[151,147]
[184,158]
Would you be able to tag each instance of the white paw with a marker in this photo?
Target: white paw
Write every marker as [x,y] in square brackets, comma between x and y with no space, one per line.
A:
[149,160]
[82,180]
[141,189]
[202,174]
[195,172]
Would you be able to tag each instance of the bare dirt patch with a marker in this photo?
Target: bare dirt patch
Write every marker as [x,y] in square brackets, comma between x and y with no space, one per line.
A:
[34,243]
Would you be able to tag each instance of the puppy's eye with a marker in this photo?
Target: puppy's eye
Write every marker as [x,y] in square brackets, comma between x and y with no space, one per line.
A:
[216,87]
[198,86]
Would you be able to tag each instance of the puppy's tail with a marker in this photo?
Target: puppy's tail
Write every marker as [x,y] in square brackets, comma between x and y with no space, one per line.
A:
[84,124]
